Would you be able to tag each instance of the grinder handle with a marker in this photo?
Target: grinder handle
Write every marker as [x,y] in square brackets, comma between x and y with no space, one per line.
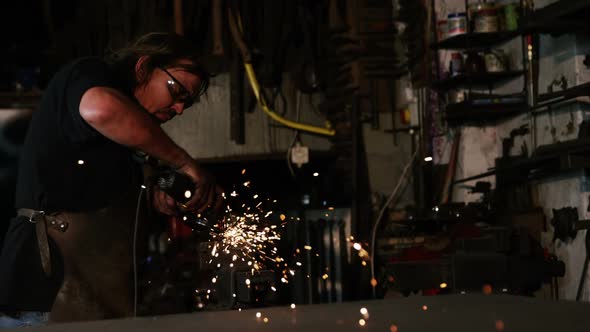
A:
[177,185]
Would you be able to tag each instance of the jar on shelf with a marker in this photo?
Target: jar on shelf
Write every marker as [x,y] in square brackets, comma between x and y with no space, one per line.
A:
[496,61]
[511,16]
[457,24]
[474,63]
[456,66]
[455,96]
[442,28]
[474,8]
[486,20]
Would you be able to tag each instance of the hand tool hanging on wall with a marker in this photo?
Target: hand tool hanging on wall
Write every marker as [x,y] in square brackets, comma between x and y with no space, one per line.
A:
[566,226]
[335,21]
[447,193]
[237,107]
[178,19]
[219,62]
[217,25]
[305,72]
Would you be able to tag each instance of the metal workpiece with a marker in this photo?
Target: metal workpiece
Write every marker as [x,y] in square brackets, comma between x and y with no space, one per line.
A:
[457,313]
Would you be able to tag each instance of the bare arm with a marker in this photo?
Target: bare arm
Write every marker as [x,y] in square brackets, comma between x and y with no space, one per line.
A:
[122,120]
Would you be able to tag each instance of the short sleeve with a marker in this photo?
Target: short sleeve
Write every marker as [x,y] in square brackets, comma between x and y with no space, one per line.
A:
[84,75]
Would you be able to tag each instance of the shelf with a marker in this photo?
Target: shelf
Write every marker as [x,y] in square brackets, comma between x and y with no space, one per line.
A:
[476,40]
[546,161]
[486,79]
[559,17]
[19,100]
[478,112]
[573,92]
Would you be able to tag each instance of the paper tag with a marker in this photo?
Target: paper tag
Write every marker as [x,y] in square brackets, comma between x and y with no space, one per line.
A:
[299,155]
[409,94]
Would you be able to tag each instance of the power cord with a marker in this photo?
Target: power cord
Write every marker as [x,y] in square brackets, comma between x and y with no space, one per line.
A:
[138,206]
[298,109]
[374,231]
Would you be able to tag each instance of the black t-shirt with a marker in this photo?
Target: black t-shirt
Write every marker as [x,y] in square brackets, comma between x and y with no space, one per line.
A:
[65,165]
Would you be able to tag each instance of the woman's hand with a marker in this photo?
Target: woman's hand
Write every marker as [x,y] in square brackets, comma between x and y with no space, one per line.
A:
[207,194]
[164,203]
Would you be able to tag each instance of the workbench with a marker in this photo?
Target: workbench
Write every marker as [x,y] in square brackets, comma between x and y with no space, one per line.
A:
[415,313]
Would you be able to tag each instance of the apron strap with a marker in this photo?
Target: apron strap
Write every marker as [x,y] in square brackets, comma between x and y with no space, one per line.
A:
[40,219]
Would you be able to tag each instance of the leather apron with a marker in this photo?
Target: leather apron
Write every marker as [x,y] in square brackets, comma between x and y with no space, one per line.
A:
[97,251]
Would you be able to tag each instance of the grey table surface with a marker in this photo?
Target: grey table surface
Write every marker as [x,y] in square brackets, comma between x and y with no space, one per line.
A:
[443,313]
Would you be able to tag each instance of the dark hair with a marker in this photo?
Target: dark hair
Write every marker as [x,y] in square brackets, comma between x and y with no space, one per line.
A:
[163,49]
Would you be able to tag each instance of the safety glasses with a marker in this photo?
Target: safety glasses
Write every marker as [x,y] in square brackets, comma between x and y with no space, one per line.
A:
[178,92]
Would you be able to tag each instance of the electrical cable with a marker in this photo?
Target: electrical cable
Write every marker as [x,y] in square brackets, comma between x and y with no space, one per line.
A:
[236,29]
[374,231]
[298,108]
[292,124]
[135,250]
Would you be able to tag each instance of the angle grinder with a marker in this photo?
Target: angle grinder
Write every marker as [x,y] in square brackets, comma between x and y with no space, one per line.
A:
[181,187]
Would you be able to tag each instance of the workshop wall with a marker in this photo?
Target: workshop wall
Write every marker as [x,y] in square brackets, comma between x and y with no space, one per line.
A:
[563,56]
[386,160]
[204,132]
[559,56]
[204,129]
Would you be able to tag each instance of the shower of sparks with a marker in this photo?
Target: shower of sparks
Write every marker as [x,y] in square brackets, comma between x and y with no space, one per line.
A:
[247,235]
[246,238]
